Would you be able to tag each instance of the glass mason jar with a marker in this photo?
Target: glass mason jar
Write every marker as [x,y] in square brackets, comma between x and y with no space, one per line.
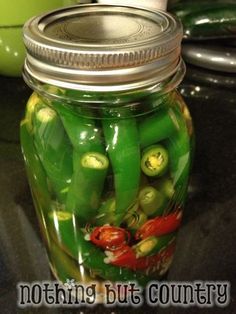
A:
[107,140]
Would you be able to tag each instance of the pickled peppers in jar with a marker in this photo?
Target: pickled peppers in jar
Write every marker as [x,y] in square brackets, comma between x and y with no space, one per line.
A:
[107,140]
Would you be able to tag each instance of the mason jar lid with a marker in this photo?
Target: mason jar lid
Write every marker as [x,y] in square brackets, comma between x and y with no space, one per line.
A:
[102,47]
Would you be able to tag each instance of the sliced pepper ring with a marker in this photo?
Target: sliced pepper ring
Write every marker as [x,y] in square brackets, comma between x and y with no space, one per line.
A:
[108,237]
[155,160]
[150,200]
[94,160]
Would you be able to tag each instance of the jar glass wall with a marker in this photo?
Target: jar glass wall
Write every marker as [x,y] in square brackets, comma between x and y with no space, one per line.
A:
[108,181]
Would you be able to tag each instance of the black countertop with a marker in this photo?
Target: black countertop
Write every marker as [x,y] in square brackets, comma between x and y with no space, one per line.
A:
[206,241]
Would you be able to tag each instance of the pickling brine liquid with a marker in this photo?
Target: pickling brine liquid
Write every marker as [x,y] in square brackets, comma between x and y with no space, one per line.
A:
[109,183]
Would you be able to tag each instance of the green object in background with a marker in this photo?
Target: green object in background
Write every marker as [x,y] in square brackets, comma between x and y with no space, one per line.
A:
[12,51]
[13,15]
[17,12]
[207,19]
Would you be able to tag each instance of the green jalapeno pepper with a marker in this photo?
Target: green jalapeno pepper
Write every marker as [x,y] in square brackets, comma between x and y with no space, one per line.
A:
[159,126]
[165,186]
[106,212]
[151,201]
[207,20]
[35,171]
[152,245]
[33,101]
[178,147]
[84,197]
[135,220]
[90,164]
[155,160]
[184,8]
[62,226]
[53,148]
[122,142]
[65,267]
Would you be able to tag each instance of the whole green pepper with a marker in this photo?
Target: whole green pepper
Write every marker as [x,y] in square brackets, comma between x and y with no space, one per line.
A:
[53,148]
[208,20]
[184,8]
[87,182]
[157,127]
[122,142]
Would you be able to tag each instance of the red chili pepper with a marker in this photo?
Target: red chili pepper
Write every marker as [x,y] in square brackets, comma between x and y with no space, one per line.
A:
[108,237]
[125,257]
[159,226]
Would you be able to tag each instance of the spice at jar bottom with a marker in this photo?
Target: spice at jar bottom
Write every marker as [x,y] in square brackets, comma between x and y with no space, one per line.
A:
[106,140]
